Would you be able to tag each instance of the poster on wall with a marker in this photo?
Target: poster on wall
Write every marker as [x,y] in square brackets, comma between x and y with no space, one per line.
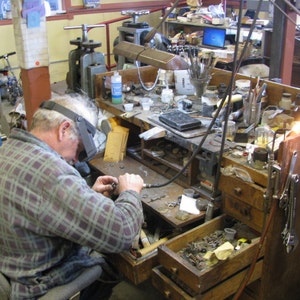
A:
[91,3]
[5,9]
[55,5]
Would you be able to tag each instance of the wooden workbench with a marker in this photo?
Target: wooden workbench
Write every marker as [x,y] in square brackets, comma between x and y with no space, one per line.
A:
[280,271]
[155,200]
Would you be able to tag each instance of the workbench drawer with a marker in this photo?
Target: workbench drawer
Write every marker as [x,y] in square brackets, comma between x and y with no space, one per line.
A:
[136,270]
[243,201]
[136,265]
[240,210]
[196,281]
[249,193]
[162,281]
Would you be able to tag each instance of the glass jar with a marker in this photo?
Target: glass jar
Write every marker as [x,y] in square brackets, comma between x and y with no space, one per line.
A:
[286,101]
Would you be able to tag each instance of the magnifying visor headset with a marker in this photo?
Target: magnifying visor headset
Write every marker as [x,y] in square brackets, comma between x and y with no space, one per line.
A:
[86,129]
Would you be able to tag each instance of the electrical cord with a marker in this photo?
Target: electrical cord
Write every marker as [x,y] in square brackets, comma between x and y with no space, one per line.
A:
[148,89]
[228,94]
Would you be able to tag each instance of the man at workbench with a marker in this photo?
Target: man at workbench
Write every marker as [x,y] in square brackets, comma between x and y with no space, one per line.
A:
[50,219]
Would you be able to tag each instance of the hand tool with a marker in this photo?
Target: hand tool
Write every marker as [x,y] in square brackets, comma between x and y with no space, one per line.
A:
[157,197]
[290,238]
[284,196]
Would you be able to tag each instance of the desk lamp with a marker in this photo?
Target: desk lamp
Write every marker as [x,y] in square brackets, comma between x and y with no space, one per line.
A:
[150,56]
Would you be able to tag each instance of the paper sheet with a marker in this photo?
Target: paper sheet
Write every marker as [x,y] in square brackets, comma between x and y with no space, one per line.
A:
[188,204]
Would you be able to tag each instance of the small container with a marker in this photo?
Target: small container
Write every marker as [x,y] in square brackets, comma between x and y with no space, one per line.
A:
[229,234]
[146,103]
[128,107]
[201,204]
[252,110]
[209,212]
[167,96]
[286,101]
[260,158]
[189,192]
[243,86]
[146,106]
[231,130]
[263,136]
[267,114]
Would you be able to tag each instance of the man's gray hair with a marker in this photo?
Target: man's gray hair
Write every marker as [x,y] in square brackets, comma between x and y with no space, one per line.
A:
[45,119]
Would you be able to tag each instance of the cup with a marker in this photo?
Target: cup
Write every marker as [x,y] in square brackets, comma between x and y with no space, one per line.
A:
[263,136]
[231,130]
[229,234]
[266,117]
[201,204]
[128,107]
[252,111]
[146,103]
[189,192]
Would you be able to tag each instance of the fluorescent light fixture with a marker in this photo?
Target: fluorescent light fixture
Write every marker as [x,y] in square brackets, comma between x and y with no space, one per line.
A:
[150,56]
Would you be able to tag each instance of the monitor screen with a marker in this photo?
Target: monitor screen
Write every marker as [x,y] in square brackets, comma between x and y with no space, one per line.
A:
[214,37]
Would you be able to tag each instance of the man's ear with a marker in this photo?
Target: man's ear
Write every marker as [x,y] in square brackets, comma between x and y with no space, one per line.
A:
[62,129]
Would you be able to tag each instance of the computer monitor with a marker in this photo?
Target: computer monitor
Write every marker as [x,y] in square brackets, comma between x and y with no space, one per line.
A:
[214,37]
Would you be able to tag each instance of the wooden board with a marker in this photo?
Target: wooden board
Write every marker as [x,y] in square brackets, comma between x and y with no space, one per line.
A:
[274,90]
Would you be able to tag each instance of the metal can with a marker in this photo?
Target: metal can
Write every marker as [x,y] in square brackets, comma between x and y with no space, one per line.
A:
[209,212]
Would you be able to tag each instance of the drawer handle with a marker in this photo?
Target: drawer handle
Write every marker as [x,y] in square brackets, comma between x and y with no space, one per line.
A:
[243,210]
[237,191]
[167,294]
[246,212]
[174,270]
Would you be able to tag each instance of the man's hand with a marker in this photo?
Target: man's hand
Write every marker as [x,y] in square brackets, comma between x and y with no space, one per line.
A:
[105,185]
[130,182]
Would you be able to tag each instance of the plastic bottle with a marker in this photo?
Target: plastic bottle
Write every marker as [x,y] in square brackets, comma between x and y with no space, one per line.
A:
[167,95]
[116,88]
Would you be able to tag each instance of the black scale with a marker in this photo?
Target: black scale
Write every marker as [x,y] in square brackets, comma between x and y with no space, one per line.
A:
[179,120]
